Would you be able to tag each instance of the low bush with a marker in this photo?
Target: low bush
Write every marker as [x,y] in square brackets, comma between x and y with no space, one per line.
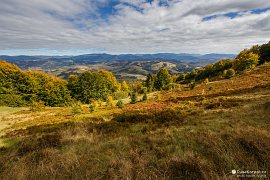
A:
[77,108]
[134,98]
[144,97]
[229,73]
[12,100]
[37,106]
[110,102]
[120,104]
[192,85]
[93,106]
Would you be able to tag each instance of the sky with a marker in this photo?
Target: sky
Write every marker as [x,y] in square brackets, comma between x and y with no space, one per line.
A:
[72,27]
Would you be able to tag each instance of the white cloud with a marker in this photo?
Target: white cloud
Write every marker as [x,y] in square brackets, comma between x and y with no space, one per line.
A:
[177,27]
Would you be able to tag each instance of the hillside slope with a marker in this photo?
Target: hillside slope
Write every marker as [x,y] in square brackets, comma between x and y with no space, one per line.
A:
[202,133]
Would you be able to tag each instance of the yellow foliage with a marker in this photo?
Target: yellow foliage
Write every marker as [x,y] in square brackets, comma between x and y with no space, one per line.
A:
[110,102]
[124,86]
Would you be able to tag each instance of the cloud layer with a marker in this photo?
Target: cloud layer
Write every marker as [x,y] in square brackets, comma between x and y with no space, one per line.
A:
[134,26]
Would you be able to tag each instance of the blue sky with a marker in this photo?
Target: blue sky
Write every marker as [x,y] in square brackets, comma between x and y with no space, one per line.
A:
[235,14]
[69,27]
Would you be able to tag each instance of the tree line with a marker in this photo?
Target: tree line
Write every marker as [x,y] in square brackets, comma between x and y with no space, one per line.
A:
[22,88]
[245,60]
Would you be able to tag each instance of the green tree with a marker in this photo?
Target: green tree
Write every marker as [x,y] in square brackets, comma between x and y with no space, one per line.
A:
[264,53]
[112,84]
[149,82]
[93,85]
[192,74]
[73,86]
[163,79]
[255,49]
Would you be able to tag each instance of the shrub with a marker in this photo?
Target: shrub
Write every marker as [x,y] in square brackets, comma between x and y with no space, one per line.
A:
[110,102]
[192,85]
[181,77]
[37,106]
[206,80]
[12,100]
[93,106]
[134,98]
[229,73]
[158,97]
[143,90]
[120,95]
[145,97]
[120,104]
[77,108]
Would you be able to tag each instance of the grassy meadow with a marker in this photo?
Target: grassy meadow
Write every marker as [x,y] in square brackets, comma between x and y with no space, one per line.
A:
[203,133]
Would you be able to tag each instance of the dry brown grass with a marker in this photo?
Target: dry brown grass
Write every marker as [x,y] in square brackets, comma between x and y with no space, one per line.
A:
[184,135]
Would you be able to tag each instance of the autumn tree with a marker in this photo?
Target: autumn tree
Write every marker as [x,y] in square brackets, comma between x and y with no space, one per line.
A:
[245,60]
[163,79]
[112,84]
[32,86]
[255,49]
[10,78]
[124,86]
[93,85]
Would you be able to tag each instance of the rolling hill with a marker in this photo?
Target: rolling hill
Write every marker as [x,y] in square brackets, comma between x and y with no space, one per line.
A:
[203,133]
[124,66]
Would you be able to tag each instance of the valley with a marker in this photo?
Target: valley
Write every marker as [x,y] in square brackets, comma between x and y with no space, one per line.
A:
[125,67]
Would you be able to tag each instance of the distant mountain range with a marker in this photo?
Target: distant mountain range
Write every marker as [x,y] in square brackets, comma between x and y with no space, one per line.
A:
[124,66]
[122,57]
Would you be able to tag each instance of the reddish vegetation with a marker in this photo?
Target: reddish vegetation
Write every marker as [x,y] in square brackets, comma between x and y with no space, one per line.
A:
[246,82]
